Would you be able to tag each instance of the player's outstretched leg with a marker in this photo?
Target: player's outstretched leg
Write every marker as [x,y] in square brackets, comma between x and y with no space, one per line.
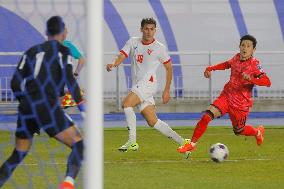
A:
[17,156]
[150,116]
[199,130]
[249,130]
[72,138]
[238,119]
[166,130]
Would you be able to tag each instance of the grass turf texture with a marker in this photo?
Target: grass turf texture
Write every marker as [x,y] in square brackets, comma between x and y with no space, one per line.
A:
[157,165]
[44,167]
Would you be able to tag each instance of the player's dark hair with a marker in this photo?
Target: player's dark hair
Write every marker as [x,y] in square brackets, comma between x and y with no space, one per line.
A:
[54,25]
[148,21]
[249,37]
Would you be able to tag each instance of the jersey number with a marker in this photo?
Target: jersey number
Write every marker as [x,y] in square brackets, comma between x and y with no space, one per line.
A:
[140,58]
[39,59]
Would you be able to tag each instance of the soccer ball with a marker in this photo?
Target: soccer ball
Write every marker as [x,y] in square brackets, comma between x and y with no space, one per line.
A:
[218,152]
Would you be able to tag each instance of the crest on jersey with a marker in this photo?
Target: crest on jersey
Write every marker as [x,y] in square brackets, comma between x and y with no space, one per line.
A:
[150,51]
[260,68]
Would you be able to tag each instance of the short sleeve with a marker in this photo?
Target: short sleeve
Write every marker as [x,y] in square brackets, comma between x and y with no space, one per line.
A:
[126,49]
[73,49]
[164,56]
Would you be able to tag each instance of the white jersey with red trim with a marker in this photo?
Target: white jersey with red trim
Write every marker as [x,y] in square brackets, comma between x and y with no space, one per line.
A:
[146,58]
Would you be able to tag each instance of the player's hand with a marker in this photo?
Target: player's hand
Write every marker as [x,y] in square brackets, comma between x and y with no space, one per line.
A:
[166,96]
[109,67]
[207,73]
[246,76]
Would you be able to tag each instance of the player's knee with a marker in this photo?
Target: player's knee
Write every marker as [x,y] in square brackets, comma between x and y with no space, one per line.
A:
[125,105]
[238,130]
[211,114]
[152,122]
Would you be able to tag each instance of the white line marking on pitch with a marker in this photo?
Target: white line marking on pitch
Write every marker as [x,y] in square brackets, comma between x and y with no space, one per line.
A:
[178,161]
[49,163]
[150,161]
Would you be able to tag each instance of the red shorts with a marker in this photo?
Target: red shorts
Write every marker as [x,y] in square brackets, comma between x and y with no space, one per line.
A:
[238,117]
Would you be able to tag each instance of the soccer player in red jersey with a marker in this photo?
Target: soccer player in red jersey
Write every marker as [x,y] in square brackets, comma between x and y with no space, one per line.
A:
[236,97]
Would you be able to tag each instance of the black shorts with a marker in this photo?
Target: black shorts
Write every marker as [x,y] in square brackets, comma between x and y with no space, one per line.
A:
[33,116]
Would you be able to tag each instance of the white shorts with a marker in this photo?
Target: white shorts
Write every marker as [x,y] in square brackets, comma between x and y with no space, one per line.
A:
[145,92]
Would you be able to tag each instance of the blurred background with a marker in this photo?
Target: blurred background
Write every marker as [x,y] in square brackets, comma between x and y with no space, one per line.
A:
[197,33]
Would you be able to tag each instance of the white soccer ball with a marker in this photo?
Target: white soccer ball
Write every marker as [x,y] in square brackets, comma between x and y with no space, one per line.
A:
[218,152]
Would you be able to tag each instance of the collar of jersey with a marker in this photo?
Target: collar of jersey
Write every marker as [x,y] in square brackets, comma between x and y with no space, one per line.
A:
[239,54]
[147,43]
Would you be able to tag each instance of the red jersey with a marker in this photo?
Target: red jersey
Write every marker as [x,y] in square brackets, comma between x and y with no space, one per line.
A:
[239,90]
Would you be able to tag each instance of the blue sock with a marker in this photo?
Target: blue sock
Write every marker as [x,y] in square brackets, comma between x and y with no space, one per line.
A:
[75,159]
[10,164]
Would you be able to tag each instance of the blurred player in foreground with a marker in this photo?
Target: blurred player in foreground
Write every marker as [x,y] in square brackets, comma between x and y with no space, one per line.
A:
[236,97]
[147,55]
[41,74]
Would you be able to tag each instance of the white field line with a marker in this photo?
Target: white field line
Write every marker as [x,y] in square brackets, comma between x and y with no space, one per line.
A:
[179,161]
[150,161]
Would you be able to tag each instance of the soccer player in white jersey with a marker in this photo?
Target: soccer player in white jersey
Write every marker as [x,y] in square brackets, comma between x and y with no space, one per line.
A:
[147,55]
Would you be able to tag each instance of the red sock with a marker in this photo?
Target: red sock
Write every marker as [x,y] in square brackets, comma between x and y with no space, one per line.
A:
[200,127]
[249,131]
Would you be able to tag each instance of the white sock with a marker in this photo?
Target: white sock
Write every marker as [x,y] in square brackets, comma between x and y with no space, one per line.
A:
[69,179]
[131,123]
[165,129]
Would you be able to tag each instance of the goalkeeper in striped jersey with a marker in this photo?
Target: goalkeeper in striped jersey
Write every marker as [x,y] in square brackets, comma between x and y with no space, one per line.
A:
[37,83]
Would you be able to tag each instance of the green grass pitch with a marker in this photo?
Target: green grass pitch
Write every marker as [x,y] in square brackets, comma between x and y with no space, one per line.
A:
[157,165]
[44,167]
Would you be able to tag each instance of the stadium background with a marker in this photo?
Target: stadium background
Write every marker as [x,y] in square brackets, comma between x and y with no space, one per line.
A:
[196,32]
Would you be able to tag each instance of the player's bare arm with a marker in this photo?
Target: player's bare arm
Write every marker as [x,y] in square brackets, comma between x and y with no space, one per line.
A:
[119,59]
[81,63]
[169,75]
